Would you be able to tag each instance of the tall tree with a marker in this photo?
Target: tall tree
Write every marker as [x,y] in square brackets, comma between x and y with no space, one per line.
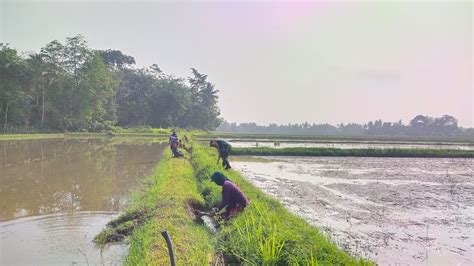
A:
[134,98]
[97,90]
[116,60]
[203,112]
[13,78]
[71,87]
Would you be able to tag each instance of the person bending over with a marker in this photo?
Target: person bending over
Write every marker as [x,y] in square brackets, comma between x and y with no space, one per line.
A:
[174,143]
[223,148]
[233,199]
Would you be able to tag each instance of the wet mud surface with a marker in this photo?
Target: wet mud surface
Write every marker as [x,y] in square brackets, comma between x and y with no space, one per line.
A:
[397,211]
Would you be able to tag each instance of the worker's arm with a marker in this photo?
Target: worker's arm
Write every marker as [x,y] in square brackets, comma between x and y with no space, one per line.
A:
[218,154]
[225,197]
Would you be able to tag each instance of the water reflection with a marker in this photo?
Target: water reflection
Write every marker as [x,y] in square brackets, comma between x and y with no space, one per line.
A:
[64,175]
[57,239]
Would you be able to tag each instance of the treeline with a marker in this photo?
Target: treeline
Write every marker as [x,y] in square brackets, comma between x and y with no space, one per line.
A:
[72,87]
[420,125]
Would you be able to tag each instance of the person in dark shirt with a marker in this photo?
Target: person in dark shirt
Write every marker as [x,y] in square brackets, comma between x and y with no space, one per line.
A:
[223,148]
[174,144]
[182,145]
[232,197]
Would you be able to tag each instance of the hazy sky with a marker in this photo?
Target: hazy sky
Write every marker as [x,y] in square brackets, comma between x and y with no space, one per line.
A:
[334,62]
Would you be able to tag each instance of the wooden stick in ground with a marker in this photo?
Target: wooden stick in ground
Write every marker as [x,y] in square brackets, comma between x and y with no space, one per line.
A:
[165,235]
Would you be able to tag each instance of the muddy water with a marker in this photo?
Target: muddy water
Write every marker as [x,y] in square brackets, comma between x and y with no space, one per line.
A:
[55,195]
[397,211]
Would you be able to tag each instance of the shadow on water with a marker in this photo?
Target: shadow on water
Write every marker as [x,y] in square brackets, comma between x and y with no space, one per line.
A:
[55,195]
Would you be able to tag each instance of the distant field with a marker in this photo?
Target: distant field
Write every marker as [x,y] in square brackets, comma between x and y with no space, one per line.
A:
[325,138]
[77,135]
[243,137]
[393,152]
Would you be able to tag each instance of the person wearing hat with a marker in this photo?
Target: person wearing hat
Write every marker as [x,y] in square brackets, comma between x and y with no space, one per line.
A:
[233,199]
[174,144]
[223,148]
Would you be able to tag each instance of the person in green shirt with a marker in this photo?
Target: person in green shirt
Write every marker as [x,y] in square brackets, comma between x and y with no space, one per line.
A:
[223,148]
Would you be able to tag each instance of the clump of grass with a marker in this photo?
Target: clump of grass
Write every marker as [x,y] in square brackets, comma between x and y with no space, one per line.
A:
[122,226]
[172,187]
[394,152]
[161,205]
[129,215]
[203,169]
[266,233]
[106,236]
[255,230]
[31,136]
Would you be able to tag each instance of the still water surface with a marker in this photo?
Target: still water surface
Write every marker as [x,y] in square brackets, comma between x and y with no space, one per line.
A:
[55,195]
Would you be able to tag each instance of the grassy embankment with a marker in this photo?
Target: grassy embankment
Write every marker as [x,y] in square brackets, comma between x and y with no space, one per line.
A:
[265,233]
[119,132]
[116,132]
[394,152]
[163,205]
[31,136]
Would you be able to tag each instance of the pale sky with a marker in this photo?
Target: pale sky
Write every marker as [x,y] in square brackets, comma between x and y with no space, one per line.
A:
[337,61]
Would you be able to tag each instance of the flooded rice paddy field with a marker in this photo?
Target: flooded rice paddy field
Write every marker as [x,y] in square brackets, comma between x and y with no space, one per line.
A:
[57,194]
[349,145]
[397,211]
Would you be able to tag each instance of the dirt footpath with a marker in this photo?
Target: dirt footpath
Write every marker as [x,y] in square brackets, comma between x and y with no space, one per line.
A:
[397,211]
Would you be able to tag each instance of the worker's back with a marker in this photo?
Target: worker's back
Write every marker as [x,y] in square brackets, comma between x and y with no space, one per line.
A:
[173,140]
[223,145]
[233,195]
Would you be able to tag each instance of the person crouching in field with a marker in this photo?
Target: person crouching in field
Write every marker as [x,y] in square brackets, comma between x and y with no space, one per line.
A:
[182,145]
[174,143]
[232,197]
[223,148]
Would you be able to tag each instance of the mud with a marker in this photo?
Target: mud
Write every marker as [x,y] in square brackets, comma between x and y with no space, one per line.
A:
[400,211]
[192,208]
[199,214]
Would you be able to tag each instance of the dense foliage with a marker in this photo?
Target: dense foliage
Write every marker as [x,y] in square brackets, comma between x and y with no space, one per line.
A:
[420,125]
[71,87]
